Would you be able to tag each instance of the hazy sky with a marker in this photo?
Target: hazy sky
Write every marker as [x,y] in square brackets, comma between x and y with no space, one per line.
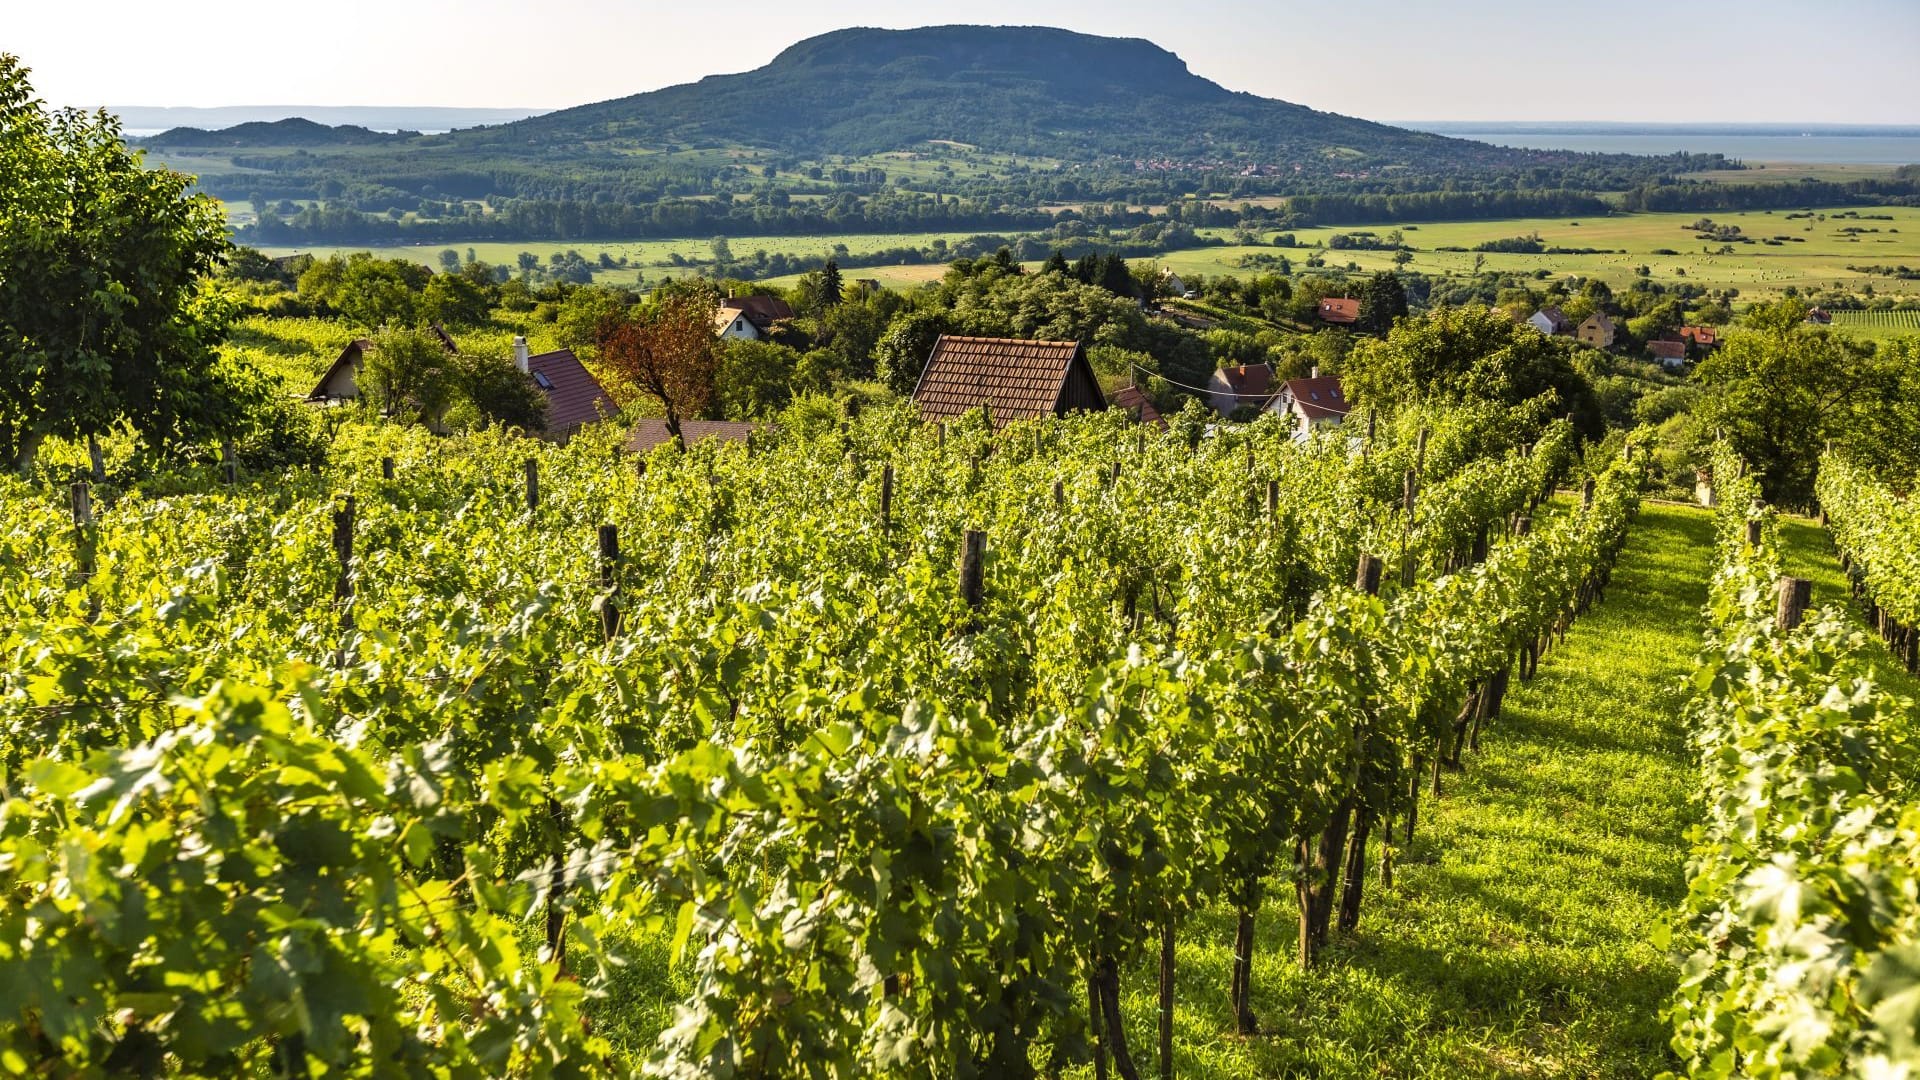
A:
[1679,60]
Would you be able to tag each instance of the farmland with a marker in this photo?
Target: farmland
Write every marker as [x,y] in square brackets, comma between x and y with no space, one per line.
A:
[1815,259]
[1878,324]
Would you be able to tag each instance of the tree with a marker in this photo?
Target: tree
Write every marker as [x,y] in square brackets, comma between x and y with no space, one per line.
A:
[1383,301]
[1467,355]
[668,352]
[903,350]
[450,260]
[831,288]
[1056,263]
[499,393]
[409,373]
[455,300]
[1778,389]
[754,378]
[103,318]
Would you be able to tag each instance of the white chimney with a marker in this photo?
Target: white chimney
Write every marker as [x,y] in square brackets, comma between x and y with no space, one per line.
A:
[1315,375]
[520,354]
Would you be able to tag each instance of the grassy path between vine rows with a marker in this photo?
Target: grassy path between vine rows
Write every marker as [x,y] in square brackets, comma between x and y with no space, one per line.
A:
[1515,941]
[1808,552]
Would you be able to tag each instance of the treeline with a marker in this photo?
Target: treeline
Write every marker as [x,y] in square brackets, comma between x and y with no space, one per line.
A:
[1902,190]
[1441,206]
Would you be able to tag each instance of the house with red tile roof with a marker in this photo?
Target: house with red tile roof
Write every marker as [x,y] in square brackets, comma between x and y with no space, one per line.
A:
[1137,404]
[1670,353]
[574,396]
[761,311]
[1315,401]
[1232,387]
[1012,379]
[1704,337]
[1339,310]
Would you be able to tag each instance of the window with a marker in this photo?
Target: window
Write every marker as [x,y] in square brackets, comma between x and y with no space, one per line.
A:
[540,377]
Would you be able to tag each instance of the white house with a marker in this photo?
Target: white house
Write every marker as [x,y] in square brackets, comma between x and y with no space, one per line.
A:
[1175,286]
[1549,321]
[730,323]
[1232,387]
[1315,401]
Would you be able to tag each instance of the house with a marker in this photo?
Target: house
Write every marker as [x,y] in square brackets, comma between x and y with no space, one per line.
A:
[1669,352]
[1315,401]
[341,382]
[761,311]
[732,324]
[652,432]
[1550,321]
[1138,404]
[1597,331]
[1701,337]
[1012,378]
[1339,310]
[1820,316]
[1230,388]
[574,396]
[1173,286]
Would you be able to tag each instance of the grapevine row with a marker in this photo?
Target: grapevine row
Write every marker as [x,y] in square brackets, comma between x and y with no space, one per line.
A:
[1878,535]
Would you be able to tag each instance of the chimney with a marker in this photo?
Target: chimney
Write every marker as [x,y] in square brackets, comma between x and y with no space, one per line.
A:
[1314,375]
[520,354]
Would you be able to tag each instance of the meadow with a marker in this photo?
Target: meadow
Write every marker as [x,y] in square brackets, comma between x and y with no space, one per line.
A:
[1815,259]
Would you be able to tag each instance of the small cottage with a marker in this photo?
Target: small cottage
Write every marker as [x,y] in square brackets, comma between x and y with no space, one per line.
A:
[1315,401]
[1232,387]
[1597,331]
[1339,310]
[1551,321]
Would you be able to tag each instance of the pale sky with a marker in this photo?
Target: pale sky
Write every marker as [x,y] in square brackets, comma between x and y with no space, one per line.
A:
[1789,61]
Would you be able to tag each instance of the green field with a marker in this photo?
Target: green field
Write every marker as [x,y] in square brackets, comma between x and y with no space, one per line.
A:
[1816,260]
[653,257]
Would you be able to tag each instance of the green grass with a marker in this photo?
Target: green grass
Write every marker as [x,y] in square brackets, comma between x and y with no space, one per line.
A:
[1818,263]
[1808,553]
[1515,941]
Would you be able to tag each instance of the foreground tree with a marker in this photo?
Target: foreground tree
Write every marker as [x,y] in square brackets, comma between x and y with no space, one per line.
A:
[103,316]
[667,351]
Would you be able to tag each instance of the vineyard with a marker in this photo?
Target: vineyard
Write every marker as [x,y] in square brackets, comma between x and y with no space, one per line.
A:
[906,741]
[1887,323]
[1805,880]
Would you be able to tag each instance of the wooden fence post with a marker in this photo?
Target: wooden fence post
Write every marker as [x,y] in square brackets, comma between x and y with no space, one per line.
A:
[609,603]
[886,501]
[1795,595]
[973,567]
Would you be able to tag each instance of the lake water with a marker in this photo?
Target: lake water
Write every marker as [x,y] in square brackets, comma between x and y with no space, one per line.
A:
[1824,149]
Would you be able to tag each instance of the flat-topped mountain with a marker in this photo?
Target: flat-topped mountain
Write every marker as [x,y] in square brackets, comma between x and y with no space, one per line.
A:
[293,131]
[1028,90]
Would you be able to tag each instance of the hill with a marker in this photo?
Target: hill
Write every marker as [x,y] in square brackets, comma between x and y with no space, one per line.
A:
[293,131]
[1027,90]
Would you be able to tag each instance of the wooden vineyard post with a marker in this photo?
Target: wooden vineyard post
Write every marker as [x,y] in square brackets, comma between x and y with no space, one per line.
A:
[343,516]
[1409,492]
[1273,500]
[973,568]
[1795,595]
[1366,580]
[531,470]
[1420,451]
[886,502]
[609,602]
[80,500]
[1586,494]
[1059,493]
[386,468]
[1113,478]
[1753,533]
[230,472]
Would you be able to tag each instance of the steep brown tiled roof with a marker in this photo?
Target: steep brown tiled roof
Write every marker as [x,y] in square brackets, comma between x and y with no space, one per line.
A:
[652,431]
[1133,400]
[1317,398]
[1014,379]
[574,396]
[1247,383]
[1339,309]
[1668,350]
[761,311]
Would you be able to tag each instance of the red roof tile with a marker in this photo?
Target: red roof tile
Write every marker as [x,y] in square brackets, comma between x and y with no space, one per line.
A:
[1133,400]
[1700,335]
[574,396]
[1318,398]
[1014,379]
[652,431]
[1668,350]
[1339,309]
[761,311]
